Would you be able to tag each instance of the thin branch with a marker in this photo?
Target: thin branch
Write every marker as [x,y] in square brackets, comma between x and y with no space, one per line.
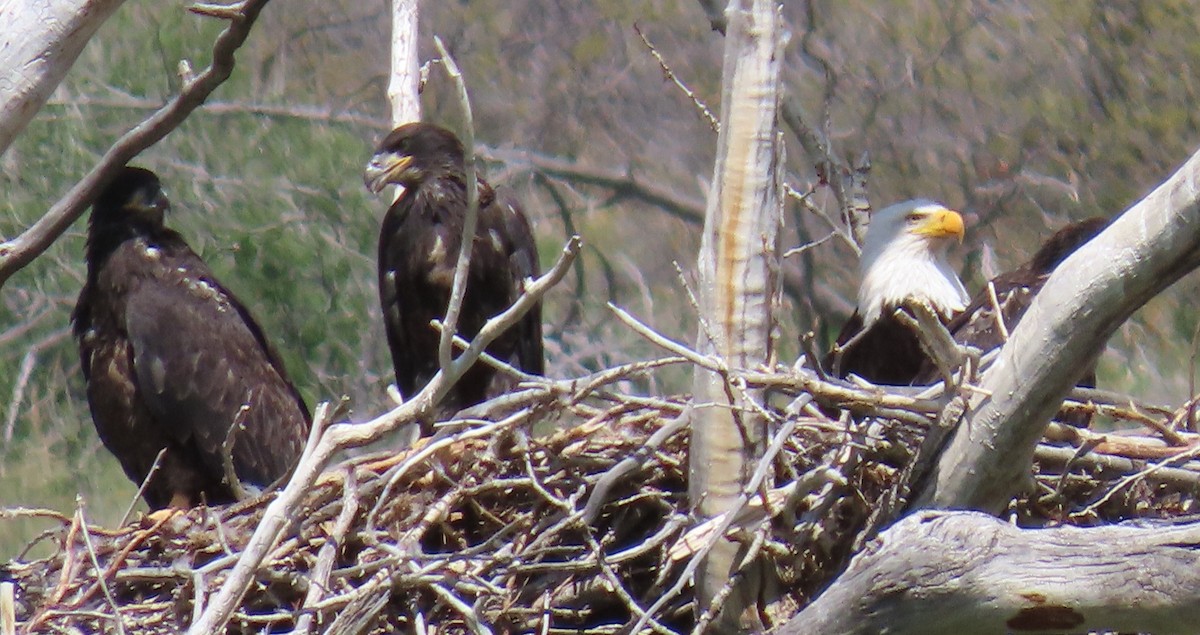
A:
[142,488]
[458,289]
[622,180]
[87,542]
[18,252]
[670,75]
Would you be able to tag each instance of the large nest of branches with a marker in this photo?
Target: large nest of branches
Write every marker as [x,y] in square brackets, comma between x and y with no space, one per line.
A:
[490,527]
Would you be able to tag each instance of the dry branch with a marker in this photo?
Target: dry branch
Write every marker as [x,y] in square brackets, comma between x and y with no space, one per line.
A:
[1141,253]
[20,251]
[965,573]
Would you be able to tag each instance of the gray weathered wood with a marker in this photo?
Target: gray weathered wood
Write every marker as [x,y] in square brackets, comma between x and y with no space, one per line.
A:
[1145,250]
[39,42]
[738,288]
[964,573]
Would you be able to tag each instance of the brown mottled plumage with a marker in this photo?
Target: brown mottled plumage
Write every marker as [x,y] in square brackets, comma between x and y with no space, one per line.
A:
[418,247]
[976,326]
[170,357]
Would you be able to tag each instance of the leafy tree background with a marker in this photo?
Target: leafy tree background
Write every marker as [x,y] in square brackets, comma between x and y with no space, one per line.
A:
[1025,116]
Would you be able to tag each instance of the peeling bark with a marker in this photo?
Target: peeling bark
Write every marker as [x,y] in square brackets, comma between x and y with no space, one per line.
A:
[738,266]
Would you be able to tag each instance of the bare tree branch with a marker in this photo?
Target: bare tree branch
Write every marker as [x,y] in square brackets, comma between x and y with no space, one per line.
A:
[20,251]
[459,287]
[623,181]
[1090,294]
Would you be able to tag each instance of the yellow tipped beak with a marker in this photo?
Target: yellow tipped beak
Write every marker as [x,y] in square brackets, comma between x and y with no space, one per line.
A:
[943,224]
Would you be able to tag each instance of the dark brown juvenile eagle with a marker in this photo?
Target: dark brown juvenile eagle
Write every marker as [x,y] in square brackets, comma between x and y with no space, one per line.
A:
[903,259]
[418,247]
[977,325]
[173,360]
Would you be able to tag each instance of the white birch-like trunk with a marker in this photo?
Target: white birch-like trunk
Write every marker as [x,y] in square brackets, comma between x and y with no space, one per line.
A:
[403,91]
[738,267]
[39,42]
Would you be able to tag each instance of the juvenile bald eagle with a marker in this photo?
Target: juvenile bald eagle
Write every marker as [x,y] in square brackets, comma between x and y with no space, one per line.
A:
[418,247]
[903,258]
[977,325]
[173,360]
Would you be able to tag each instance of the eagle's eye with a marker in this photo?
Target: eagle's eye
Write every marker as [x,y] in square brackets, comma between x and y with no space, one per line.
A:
[913,217]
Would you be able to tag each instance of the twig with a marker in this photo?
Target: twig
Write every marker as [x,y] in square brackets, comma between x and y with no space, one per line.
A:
[1133,478]
[154,467]
[467,244]
[100,573]
[999,312]
[230,474]
[18,252]
[600,492]
[468,614]
[670,75]
[320,573]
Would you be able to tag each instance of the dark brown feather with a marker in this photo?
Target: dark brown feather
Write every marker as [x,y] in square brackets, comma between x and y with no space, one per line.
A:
[418,247]
[889,353]
[976,326]
[170,356]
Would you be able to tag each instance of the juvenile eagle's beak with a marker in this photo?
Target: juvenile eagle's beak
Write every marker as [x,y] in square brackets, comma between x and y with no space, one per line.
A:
[942,223]
[385,169]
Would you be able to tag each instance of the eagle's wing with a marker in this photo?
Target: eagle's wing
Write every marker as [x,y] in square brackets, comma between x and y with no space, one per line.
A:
[198,360]
[523,264]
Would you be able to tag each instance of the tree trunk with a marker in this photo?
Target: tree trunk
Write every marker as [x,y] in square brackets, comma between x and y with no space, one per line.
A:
[403,88]
[938,573]
[39,43]
[1090,294]
[738,264]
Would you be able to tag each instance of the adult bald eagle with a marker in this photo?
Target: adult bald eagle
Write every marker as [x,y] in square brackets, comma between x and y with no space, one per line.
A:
[173,360]
[418,247]
[903,258]
[977,325]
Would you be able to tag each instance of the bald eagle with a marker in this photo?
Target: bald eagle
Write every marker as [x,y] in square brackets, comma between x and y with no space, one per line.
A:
[418,247]
[173,361]
[977,325]
[903,258]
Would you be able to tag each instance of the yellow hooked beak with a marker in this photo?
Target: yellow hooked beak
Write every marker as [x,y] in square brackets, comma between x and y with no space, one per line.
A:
[942,223]
[385,169]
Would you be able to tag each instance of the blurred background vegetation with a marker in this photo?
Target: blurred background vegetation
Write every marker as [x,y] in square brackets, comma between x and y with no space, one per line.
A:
[1024,115]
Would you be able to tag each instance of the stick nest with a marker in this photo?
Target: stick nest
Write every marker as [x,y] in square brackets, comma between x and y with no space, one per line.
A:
[493,532]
